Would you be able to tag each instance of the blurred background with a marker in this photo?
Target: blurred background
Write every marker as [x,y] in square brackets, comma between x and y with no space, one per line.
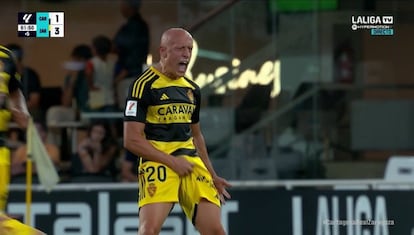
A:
[292,89]
[286,81]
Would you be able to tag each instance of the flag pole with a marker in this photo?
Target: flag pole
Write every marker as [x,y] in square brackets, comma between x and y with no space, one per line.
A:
[28,189]
[29,173]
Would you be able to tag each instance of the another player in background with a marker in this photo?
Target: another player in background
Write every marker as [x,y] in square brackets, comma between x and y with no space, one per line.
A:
[31,84]
[161,126]
[12,106]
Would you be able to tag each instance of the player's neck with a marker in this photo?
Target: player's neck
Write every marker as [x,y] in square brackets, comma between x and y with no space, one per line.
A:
[159,66]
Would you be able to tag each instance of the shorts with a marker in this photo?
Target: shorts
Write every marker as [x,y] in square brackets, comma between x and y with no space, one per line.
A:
[10,226]
[158,183]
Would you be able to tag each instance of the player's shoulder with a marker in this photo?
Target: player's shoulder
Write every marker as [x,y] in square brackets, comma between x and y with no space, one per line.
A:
[143,82]
[192,83]
[3,48]
[5,53]
[8,62]
[148,76]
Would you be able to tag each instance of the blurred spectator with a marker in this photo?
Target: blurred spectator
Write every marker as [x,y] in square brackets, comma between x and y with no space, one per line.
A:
[31,83]
[131,43]
[75,85]
[96,154]
[74,98]
[129,167]
[100,75]
[19,157]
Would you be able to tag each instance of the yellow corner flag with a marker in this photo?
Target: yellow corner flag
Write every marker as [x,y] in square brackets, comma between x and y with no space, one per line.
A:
[46,171]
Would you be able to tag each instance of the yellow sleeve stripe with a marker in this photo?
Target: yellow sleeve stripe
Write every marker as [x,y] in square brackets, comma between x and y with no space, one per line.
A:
[4,55]
[5,52]
[136,84]
[139,84]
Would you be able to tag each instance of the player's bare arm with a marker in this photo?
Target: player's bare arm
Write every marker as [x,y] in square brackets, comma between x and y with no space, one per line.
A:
[140,146]
[220,183]
[200,145]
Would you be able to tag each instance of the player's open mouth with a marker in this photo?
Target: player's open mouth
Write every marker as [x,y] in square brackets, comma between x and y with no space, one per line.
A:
[182,66]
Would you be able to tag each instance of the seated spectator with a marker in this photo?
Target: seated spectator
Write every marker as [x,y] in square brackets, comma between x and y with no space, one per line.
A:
[96,154]
[19,157]
[129,167]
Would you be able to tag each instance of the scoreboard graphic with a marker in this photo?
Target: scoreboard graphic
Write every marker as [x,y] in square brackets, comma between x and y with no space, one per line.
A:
[41,24]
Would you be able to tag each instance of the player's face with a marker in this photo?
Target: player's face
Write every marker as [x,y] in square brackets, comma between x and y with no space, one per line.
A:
[178,55]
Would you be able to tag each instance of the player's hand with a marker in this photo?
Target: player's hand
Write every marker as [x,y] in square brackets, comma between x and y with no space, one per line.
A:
[221,186]
[181,166]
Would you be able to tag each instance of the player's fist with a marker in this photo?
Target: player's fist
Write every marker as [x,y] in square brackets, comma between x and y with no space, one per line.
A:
[181,166]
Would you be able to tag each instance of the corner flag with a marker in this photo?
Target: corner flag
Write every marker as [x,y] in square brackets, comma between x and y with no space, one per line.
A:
[46,171]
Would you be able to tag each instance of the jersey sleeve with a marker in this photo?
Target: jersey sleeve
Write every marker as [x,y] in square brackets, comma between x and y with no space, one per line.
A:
[10,79]
[136,107]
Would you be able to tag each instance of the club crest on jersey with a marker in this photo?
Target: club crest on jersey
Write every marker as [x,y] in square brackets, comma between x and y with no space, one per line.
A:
[190,95]
[152,189]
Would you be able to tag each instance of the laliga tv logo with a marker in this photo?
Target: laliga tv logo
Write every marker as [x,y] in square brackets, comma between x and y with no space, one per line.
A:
[387,20]
[371,22]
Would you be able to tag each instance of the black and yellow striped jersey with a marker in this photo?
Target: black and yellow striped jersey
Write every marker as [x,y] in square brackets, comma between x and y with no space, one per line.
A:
[9,78]
[9,82]
[167,107]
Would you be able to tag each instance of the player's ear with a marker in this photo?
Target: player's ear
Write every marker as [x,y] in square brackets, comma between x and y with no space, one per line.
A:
[163,53]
